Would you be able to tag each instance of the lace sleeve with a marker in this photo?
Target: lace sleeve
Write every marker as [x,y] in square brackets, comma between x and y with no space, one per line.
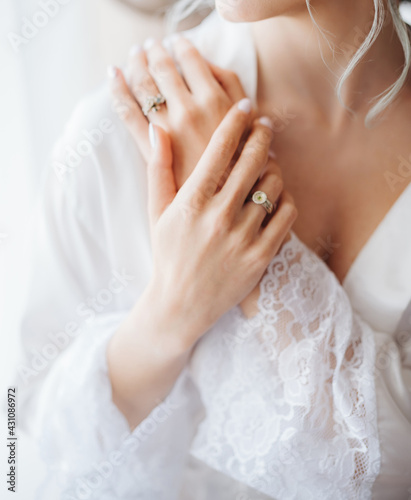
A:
[290,393]
[86,442]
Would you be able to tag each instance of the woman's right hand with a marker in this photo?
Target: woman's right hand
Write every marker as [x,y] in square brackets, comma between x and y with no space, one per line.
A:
[210,250]
[209,247]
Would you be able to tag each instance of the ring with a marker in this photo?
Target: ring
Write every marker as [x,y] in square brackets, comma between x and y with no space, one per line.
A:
[260,198]
[153,103]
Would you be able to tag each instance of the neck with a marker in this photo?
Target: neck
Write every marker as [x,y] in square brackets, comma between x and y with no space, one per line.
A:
[299,65]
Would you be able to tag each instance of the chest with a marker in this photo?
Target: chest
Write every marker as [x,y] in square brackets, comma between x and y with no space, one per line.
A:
[342,189]
[343,186]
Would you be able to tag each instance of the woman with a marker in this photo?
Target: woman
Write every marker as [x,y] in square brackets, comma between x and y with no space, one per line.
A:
[206,347]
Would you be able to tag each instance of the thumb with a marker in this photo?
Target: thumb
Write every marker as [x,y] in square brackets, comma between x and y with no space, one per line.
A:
[162,187]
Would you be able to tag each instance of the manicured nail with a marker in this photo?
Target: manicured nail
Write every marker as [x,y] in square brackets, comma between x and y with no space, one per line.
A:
[135,49]
[149,43]
[264,120]
[112,72]
[245,105]
[152,135]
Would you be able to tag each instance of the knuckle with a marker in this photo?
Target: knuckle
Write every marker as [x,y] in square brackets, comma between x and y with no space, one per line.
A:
[142,86]
[192,113]
[226,146]
[187,117]
[188,51]
[229,74]
[219,227]
[161,68]
[185,212]
[232,75]
[234,78]
[209,98]
[217,102]
[236,193]
[223,217]
[197,200]
[261,256]
[254,153]
[217,223]
[264,136]
[124,107]
[255,258]
[291,211]
[215,179]
[276,182]
[258,144]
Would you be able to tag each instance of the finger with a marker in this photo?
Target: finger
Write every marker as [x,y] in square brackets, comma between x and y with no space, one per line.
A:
[229,81]
[249,166]
[271,184]
[142,84]
[196,72]
[223,144]
[162,188]
[164,72]
[128,110]
[270,238]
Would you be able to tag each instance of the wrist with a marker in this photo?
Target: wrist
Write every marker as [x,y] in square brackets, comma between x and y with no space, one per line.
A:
[145,356]
[172,326]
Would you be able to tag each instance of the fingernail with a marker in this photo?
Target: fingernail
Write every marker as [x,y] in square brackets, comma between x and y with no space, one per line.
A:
[135,49]
[272,155]
[152,135]
[149,43]
[264,120]
[112,71]
[245,105]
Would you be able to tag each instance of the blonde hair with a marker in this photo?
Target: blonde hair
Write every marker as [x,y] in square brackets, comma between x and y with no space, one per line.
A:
[185,8]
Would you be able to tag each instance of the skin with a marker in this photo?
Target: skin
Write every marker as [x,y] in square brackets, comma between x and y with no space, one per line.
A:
[333,166]
[200,224]
[351,182]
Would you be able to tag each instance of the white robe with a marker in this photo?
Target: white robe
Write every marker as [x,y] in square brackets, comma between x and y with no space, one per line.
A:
[309,399]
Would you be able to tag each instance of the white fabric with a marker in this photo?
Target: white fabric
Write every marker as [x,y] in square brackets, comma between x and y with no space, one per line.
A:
[309,399]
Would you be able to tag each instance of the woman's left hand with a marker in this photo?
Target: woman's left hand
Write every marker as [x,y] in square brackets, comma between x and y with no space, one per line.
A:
[196,100]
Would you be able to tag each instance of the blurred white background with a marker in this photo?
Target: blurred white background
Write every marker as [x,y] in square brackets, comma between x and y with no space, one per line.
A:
[41,82]
[39,87]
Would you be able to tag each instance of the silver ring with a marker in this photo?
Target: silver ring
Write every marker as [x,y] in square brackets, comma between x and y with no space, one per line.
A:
[260,198]
[153,103]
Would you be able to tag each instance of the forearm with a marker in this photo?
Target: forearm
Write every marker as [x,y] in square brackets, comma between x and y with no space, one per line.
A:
[145,357]
[86,433]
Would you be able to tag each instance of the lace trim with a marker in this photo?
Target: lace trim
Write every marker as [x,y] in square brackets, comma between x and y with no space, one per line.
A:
[289,393]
